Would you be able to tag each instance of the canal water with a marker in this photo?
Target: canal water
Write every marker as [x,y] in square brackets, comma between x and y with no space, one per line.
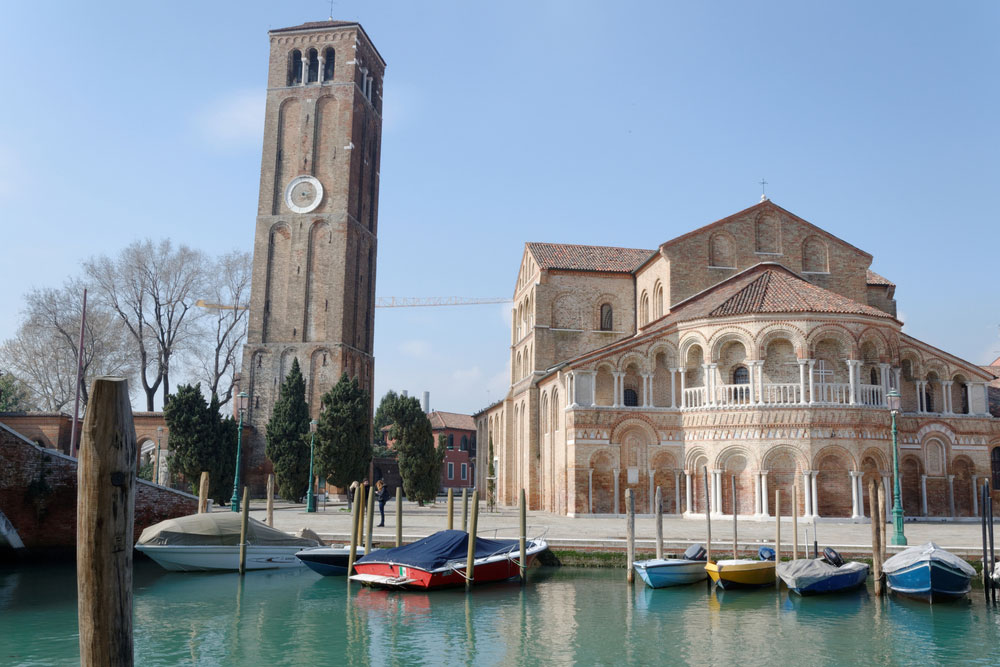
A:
[563,616]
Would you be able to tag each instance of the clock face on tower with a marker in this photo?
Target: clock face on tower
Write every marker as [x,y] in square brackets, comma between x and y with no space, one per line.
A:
[303,194]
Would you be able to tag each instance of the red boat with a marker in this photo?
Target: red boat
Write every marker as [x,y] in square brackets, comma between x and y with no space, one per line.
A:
[440,560]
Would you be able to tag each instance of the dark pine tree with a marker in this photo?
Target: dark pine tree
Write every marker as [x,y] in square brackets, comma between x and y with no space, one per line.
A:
[201,440]
[343,442]
[287,437]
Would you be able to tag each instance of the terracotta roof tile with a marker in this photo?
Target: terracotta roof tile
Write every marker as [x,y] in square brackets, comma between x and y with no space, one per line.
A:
[588,257]
[454,420]
[876,279]
[315,25]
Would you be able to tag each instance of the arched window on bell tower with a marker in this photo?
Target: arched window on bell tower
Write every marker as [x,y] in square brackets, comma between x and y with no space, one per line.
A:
[328,63]
[294,68]
[313,74]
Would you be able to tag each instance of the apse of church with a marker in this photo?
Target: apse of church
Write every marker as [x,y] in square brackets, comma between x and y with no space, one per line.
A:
[315,243]
[759,348]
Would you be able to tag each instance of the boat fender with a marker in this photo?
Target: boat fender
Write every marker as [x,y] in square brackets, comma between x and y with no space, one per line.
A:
[695,552]
[832,557]
[765,553]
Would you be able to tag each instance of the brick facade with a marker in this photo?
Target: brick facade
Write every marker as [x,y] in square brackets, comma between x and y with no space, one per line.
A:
[760,349]
[38,495]
[313,289]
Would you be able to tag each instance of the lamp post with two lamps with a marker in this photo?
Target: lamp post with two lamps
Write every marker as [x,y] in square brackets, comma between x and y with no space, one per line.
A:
[895,402]
[241,402]
[310,499]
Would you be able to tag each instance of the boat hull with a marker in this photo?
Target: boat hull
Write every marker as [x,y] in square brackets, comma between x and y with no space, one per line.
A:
[486,570]
[220,558]
[730,575]
[665,573]
[328,561]
[833,584]
[930,581]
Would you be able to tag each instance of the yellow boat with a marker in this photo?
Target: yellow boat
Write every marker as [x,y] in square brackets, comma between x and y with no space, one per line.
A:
[742,573]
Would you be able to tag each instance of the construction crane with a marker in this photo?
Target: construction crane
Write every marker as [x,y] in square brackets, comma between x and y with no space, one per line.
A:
[392,302]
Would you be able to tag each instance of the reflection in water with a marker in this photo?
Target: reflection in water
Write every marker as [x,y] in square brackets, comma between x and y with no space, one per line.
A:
[562,616]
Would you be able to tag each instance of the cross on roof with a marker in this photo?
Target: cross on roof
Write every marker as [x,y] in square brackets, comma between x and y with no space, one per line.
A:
[763,191]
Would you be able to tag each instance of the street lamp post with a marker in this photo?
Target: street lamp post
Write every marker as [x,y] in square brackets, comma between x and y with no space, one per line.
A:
[310,499]
[895,403]
[241,402]
[156,468]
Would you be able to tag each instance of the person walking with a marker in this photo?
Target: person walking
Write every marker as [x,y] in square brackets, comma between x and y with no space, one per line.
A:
[381,495]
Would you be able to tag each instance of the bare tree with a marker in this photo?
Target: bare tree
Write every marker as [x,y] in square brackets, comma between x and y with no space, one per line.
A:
[43,352]
[224,327]
[152,288]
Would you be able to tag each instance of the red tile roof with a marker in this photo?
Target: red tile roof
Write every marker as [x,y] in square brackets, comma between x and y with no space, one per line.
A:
[588,257]
[454,420]
[876,279]
[316,25]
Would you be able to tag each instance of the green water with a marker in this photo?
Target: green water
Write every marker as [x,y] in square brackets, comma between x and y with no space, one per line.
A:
[563,616]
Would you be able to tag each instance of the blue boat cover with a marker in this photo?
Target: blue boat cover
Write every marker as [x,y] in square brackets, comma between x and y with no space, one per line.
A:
[438,549]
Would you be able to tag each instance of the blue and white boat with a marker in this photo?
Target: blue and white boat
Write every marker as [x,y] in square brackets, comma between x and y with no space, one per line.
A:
[829,574]
[329,561]
[929,573]
[663,572]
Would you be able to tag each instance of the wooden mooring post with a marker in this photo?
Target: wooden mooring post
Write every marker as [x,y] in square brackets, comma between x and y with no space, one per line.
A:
[523,539]
[355,519]
[881,519]
[470,566]
[399,516]
[465,509]
[451,510]
[876,538]
[659,522]
[105,516]
[270,500]
[736,511]
[244,520]
[629,534]
[370,516]
[203,487]
[777,533]
[795,522]
[708,518]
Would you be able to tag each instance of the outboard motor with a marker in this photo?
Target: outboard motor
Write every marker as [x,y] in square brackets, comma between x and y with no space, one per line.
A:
[832,557]
[765,553]
[695,552]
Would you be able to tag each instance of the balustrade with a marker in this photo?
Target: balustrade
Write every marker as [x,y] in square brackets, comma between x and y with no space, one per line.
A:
[785,393]
[832,392]
[871,394]
[694,397]
[732,394]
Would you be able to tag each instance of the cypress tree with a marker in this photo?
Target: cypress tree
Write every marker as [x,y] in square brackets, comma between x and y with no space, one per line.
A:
[343,445]
[288,436]
[201,440]
[419,461]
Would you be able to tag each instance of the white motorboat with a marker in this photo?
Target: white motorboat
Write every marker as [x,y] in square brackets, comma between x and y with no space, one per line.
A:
[211,542]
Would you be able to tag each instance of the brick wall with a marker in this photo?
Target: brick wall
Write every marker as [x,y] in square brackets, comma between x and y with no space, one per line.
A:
[38,495]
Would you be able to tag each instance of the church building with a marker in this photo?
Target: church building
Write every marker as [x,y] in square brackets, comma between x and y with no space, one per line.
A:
[313,286]
[759,347]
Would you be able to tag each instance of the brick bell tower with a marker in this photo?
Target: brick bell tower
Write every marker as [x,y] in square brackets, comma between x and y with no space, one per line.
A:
[313,290]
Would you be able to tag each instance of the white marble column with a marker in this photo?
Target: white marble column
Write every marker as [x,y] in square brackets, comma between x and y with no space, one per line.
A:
[951,496]
[975,495]
[884,380]
[677,492]
[618,377]
[683,401]
[861,495]
[688,492]
[815,495]
[304,69]
[717,490]
[710,377]
[852,380]
[888,489]
[319,72]
[752,369]
[920,395]
[616,471]
[760,381]
[802,380]
[898,374]
[812,380]
[764,509]
[923,494]
[590,490]
[946,395]
[646,390]
[652,491]
[854,493]
[806,494]
[673,388]
[756,494]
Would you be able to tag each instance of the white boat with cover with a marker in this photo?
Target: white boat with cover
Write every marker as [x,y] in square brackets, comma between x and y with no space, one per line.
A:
[211,542]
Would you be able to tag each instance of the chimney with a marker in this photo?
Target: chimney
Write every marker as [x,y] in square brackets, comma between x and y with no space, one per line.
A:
[427,402]
[404,393]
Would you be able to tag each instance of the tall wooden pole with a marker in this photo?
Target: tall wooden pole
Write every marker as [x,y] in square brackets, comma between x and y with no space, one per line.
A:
[708,516]
[629,535]
[736,511]
[105,515]
[399,516]
[659,522]
[244,516]
[203,488]
[465,509]
[876,538]
[881,519]
[777,533]
[451,510]
[523,540]
[270,500]
[74,432]
[371,519]
[795,522]
[470,566]
[355,518]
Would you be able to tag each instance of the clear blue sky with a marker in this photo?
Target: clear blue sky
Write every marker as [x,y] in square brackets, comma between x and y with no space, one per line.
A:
[618,123]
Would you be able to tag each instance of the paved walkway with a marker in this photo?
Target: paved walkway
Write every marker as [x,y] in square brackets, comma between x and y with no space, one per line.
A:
[332,523]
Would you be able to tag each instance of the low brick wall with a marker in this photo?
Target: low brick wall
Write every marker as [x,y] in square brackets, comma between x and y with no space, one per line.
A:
[38,495]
